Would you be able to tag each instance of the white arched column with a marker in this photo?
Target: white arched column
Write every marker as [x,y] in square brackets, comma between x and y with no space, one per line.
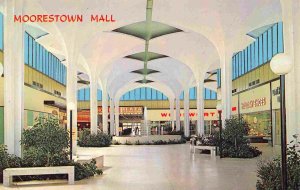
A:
[117,121]
[291,38]
[186,112]
[72,98]
[94,104]
[172,112]
[112,116]
[200,109]
[177,102]
[104,111]
[13,77]
[226,85]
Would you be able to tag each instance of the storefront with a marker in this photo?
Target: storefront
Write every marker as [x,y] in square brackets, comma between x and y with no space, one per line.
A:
[255,109]
[130,118]
[160,120]
[260,109]
[31,116]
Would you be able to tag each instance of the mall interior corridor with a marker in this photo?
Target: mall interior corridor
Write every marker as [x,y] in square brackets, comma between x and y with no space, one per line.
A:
[171,167]
[114,94]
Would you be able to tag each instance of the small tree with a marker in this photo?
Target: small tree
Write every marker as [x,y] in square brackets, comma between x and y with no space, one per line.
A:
[234,143]
[46,143]
[235,131]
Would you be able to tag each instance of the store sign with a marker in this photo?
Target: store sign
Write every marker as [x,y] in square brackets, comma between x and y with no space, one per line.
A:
[191,114]
[126,110]
[164,115]
[255,100]
[254,103]
[131,110]
[84,115]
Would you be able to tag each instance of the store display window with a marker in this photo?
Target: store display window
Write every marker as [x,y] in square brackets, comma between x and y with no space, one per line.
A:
[259,123]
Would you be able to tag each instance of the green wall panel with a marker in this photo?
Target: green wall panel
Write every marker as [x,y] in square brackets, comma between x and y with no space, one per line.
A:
[30,118]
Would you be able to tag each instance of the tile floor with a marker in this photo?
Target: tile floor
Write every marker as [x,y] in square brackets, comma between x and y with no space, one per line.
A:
[162,167]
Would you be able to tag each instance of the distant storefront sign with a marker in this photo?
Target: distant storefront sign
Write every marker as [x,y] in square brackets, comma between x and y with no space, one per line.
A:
[164,114]
[84,115]
[126,110]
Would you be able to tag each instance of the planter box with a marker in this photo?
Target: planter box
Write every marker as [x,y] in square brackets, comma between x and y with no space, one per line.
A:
[88,159]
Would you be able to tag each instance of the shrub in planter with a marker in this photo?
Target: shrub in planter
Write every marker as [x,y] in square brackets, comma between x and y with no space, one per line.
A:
[7,161]
[176,133]
[173,142]
[181,141]
[137,142]
[86,170]
[234,143]
[211,140]
[128,143]
[114,142]
[46,144]
[159,142]
[269,172]
[86,139]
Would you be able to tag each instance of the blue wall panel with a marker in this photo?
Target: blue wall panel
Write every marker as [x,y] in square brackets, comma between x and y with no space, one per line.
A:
[259,52]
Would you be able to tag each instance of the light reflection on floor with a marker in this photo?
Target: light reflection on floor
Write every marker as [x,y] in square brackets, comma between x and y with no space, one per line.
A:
[164,167]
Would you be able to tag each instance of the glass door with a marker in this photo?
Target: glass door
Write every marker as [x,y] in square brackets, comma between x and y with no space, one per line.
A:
[276,127]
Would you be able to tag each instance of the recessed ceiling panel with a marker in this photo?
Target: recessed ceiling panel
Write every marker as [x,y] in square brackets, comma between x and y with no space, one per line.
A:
[159,29]
[209,80]
[212,72]
[141,56]
[145,71]
[144,81]
[140,30]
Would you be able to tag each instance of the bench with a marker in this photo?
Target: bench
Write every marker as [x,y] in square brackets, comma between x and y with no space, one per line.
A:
[88,158]
[211,148]
[10,172]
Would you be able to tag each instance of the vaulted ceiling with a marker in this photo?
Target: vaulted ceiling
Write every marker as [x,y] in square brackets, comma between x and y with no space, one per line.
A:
[165,44]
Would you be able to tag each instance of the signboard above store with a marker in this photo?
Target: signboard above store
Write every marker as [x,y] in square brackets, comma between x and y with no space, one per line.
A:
[255,100]
[164,115]
[126,110]
[254,103]
[84,115]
